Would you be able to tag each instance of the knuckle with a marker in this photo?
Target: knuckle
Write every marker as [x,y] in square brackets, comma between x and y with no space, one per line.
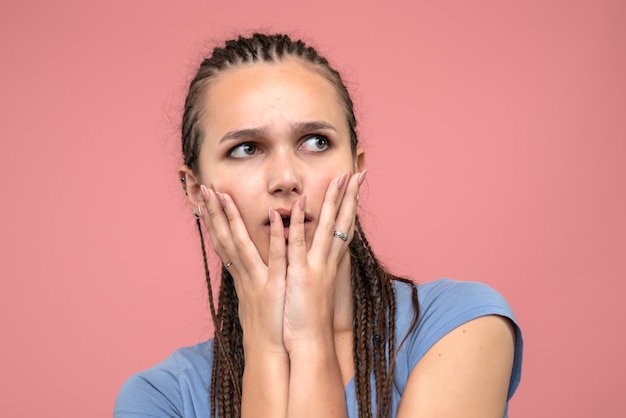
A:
[221,236]
[332,198]
[213,212]
[238,241]
[299,241]
[230,216]
[275,255]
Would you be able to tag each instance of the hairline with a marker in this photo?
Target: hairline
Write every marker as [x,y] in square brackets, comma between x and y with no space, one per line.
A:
[205,83]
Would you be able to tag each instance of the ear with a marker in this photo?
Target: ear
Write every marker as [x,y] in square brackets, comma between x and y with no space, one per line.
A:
[191,186]
[359,160]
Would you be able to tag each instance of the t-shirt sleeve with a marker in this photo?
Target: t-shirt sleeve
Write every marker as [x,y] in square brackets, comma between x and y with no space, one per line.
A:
[177,387]
[445,305]
[151,393]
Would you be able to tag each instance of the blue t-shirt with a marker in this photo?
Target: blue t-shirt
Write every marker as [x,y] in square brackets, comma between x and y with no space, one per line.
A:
[179,386]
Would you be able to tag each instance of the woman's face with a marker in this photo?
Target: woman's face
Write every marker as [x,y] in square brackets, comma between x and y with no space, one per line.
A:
[274,132]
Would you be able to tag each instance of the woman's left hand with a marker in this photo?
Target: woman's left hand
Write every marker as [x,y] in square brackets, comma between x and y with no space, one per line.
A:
[310,282]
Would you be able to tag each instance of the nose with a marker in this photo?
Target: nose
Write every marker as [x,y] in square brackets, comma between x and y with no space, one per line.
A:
[284,174]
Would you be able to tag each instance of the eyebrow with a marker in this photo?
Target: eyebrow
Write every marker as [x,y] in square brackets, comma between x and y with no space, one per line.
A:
[296,127]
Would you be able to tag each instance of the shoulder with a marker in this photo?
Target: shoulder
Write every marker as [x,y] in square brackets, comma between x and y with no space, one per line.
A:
[450,300]
[444,305]
[171,388]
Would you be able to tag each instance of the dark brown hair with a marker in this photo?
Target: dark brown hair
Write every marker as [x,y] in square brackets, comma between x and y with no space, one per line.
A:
[374,302]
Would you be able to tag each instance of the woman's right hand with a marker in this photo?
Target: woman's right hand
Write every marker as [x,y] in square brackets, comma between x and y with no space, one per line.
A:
[260,287]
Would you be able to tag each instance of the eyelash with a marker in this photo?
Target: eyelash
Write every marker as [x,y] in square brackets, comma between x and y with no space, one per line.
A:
[318,136]
[230,152]
[322,137]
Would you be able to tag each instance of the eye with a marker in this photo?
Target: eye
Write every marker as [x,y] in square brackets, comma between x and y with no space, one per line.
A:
[316,143]
[243,150]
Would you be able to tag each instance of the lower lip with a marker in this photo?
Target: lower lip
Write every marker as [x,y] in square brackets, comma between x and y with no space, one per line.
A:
[307,225]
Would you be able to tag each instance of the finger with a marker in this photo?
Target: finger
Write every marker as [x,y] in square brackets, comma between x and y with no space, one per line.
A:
[219,229]
[296,247]
[326,224]
[277,261]
[346,215]
[215,221]
[243,246]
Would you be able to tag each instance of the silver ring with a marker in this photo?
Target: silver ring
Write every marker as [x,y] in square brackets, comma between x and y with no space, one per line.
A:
[228,265]
[340,234]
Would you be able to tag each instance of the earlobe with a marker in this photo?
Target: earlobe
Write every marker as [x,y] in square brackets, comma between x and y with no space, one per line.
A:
[190,185]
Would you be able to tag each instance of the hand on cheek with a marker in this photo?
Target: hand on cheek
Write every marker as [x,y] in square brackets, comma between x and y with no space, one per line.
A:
[310,282]
[260,288]
[291,297]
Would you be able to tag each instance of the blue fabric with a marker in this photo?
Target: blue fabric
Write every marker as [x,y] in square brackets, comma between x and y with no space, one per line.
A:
[179,386]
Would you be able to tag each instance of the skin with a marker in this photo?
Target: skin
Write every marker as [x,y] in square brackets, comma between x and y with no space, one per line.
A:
[276,146]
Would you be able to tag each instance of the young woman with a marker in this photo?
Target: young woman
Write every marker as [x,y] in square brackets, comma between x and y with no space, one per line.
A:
[308,323]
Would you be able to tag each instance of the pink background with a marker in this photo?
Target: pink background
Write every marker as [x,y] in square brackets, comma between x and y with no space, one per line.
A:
[496,140]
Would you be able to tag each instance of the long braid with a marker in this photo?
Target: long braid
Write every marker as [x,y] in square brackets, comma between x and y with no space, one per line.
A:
[232,333]
[230,392]
[380,333]
[216,323]
[374,301]
[382,322]
[362,336]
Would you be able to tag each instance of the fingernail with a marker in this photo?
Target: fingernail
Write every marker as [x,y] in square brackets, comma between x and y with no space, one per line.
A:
[205,192]
[200,210]
[220,197]
[362,176]
[341,181]
[302,202]
[272,215]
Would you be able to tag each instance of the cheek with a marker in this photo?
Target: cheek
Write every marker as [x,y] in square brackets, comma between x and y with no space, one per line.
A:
[318,188]
[240,187]
[246,192]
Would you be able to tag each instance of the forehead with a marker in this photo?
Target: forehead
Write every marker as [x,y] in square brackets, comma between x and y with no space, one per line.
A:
[251,95]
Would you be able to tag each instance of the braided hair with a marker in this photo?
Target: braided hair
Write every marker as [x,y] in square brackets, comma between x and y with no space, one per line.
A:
[374,302]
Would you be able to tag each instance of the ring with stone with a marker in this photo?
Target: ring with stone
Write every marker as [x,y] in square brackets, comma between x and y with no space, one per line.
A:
[340,234]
